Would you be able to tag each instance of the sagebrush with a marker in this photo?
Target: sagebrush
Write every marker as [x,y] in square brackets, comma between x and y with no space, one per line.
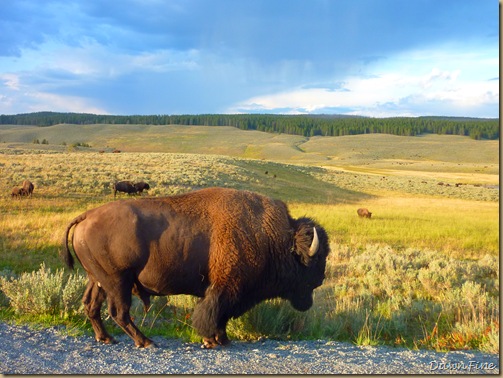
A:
[377,296]
[43,292]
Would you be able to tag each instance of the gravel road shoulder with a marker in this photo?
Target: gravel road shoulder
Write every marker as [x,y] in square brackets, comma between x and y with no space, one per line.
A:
[27,351]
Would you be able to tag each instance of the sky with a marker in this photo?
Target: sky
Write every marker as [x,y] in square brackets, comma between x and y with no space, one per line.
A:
[376,58]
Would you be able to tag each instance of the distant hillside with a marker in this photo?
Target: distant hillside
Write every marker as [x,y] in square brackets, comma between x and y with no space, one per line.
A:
[304,125]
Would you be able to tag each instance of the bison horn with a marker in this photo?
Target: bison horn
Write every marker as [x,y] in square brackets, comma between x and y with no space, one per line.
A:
[315,244]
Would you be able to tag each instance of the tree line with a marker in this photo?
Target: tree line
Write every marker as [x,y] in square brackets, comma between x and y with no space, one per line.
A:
[306,125]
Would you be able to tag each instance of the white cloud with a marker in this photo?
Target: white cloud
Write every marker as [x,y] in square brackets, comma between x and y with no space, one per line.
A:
[11,81]
[48,101]
[18,98]
[90,59]
[436,75]
[409,84]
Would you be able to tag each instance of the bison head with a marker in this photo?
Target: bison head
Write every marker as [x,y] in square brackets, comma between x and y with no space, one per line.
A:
[310,249]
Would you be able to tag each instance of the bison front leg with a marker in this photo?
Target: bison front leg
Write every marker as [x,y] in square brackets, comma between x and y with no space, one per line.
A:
[210,319]
[93,299]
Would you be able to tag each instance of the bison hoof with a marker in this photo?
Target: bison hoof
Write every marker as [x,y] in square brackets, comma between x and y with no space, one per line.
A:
[212,342]
[209,343]
[106,340]
[147,344]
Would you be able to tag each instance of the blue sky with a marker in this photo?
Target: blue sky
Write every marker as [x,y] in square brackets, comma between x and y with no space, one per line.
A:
[378,58]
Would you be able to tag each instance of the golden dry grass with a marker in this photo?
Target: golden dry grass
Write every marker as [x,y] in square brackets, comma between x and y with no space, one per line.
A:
[456,228]
[460,228]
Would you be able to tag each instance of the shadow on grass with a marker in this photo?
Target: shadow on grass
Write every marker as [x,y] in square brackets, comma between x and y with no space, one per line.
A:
[292,183]
[22,258]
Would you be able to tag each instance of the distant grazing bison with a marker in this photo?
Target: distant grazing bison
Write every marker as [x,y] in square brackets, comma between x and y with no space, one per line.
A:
[125,187]
[141,186]
[231,248]
[17,192]
[364,213]
[28,188]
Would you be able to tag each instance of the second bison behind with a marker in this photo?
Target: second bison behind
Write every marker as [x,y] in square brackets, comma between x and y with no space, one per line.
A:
[232,248]
[130,187]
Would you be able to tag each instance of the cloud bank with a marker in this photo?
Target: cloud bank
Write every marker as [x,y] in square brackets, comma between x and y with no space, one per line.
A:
[363,57]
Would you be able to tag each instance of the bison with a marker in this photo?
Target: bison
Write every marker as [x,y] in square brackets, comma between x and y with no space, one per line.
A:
[231,248]
[28,188]
[124,186]
[17,192]
[364,213]
[141,186]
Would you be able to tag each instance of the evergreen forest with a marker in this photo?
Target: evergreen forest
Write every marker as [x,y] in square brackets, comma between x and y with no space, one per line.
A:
[306,125]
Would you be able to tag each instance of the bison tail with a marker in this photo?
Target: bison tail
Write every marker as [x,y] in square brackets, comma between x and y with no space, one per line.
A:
[65,254]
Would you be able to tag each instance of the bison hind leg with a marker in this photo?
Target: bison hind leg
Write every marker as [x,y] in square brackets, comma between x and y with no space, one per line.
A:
[119,304]
[93,298]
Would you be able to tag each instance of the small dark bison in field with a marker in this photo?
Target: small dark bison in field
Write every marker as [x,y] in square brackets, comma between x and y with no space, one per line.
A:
[141,186]
[232,248]
[17,192]
[125,187]
[28,188]
[130,187]
[364,213]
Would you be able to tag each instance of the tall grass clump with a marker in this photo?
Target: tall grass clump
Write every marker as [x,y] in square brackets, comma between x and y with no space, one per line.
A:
[273,318]
[43,292]
[415,297]
[169,316]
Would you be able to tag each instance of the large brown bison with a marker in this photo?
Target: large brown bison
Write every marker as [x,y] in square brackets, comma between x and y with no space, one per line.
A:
[28,188]
[232,248]
[364,213]
[125,187]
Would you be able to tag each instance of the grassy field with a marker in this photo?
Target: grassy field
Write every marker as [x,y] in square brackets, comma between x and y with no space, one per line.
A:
[430,153]
[435,204]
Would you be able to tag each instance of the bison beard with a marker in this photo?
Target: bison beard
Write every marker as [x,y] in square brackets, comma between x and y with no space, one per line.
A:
[232,248]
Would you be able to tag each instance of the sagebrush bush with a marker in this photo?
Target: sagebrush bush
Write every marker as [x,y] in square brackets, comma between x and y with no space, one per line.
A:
[42,292]
[413,296]
[372,296]
[274,318]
